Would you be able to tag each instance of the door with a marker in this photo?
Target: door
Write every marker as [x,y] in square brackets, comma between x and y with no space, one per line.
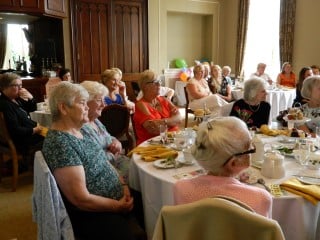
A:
[109,34]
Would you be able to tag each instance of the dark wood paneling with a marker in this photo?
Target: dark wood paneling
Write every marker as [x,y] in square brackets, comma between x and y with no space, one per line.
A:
[108,33]
[36,86]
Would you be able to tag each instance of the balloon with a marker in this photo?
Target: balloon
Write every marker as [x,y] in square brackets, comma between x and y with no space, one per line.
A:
[183,76]
[181,63]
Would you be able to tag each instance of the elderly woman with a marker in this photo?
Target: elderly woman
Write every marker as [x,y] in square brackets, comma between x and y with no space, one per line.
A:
[153,110]
[219,84]
[93,193]
[253,108]
[261,67]
[286,78]
[16,102]
[223,147]
[199,92]
[97,131]
[311,91]
[111,78]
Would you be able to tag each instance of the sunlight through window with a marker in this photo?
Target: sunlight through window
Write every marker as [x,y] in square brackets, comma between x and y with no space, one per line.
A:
[17,46]
[263,37]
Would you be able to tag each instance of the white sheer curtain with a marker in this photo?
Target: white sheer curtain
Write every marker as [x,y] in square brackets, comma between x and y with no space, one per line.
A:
[17,45]
[263,37]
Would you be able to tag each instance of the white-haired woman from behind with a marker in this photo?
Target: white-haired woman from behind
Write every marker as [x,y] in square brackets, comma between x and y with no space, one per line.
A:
[223,147]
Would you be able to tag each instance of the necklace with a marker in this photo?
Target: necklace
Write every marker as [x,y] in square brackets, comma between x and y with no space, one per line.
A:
[154,104]
[254,110]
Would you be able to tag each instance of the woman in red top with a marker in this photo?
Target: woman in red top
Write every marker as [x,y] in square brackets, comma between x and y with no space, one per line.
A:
[286,78]
[153,110]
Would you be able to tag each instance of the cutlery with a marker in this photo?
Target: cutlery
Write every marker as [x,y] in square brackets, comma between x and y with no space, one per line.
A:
[303,176]
[263,183]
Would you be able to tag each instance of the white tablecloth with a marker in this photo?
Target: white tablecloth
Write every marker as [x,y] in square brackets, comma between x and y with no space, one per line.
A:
[278,99]
[42,117]
[298,218]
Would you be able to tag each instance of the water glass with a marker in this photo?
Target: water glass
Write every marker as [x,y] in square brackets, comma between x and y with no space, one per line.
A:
[318,136]
[163,129]
[303,153]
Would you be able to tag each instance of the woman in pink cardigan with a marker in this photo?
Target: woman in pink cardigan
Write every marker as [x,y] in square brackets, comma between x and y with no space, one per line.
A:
[223,147]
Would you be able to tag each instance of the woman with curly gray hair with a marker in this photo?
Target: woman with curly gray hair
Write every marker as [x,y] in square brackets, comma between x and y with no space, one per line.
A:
[223,147]
[253,108]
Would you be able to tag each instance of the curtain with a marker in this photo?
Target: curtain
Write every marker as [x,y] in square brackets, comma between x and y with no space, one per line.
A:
[241,36]
[3,43]
[286,30]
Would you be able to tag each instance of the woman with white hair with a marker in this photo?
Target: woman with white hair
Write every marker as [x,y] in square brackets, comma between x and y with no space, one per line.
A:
[253,108]
[223,147]
[311,91]
[95,197]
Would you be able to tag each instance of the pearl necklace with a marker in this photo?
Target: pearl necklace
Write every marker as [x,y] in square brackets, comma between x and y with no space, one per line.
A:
[254,110]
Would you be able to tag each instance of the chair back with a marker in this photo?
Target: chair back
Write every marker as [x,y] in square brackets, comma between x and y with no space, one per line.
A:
[8,151]
[116,119]
[48,209]
[187,109]
[214,219]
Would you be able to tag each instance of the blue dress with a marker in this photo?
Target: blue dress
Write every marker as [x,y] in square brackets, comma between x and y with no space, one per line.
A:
[119,100]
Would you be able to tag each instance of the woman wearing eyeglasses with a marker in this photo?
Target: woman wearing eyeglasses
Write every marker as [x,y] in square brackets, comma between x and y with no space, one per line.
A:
[153,110]
[16,102]
[223,147]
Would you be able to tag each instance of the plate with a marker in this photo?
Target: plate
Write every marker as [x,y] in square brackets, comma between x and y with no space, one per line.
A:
[309,180]
[162,163]
[182,161]
[296,120]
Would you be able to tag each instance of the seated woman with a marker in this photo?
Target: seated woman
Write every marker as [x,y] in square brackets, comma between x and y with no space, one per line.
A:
[199,93]
[153,110]
[63,75]
[97,202]
[253,108]
[97,131]
[111,78]
[223,147]
[16,102]
[303,74]
[286,78]
[219,84]
[311,109]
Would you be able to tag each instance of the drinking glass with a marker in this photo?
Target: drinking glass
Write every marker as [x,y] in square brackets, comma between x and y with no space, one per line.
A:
[163,129]
[303,153]
[318,136]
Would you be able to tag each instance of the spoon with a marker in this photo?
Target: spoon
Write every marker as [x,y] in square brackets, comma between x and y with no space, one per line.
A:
[263,183]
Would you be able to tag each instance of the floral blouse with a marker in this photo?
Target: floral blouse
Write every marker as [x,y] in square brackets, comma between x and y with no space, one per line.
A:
[313,114]
[253,116]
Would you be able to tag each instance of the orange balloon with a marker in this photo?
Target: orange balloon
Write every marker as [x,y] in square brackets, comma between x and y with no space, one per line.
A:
[184,77]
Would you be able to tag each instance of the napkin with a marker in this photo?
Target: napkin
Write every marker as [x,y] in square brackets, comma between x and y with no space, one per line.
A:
[308,192]
[153,152]
[44,131]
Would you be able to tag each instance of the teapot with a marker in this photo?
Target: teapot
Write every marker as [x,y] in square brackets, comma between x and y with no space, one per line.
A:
[272,166]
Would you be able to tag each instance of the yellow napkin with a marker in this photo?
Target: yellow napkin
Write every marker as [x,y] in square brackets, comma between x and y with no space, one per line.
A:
[309,192]
[153,152]
[44,131]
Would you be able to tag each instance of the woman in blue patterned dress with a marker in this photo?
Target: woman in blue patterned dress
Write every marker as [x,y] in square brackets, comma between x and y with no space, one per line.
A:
[96,200]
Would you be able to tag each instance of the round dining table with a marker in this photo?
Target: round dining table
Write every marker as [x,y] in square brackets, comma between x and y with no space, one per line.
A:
[298,217]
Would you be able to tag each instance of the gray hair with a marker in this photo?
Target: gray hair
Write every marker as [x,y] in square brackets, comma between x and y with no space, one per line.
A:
[65,92]
[218,140]
[251,87]
[147,76]
[6,79]
[94,89]
[308,84]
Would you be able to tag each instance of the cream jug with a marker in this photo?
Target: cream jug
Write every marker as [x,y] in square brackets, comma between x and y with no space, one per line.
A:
[272,166]
[258,155]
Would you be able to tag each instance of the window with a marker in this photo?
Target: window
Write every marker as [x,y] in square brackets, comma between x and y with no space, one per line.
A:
[263,37]
[17,46]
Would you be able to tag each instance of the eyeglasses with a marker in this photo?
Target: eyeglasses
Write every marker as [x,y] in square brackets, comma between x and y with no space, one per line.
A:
[155,82]
[250,151]
[16,85]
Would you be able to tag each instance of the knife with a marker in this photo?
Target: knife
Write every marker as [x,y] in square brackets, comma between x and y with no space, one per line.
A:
[302,176]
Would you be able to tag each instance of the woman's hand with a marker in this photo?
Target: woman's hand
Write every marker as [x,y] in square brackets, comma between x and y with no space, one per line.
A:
[115,147]
[25,94]
[125,204]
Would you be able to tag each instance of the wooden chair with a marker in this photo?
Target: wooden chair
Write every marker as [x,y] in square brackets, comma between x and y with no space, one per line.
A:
[116,119]
[187,109]
[8,152]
